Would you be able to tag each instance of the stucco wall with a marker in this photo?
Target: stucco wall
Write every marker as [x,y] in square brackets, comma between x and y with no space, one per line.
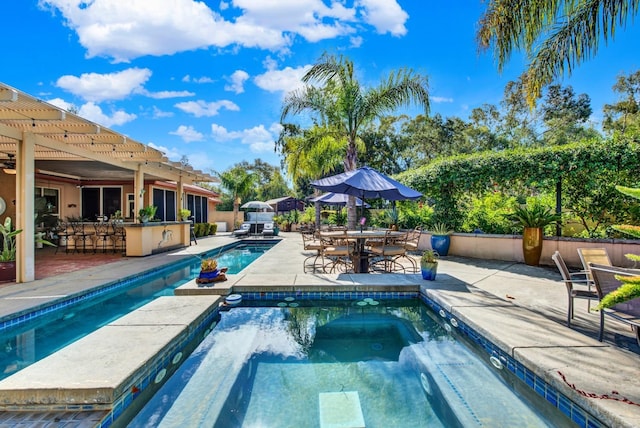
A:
[509,248]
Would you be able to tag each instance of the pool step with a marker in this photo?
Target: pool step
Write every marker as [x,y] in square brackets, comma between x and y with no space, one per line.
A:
[472,392]
[93,372]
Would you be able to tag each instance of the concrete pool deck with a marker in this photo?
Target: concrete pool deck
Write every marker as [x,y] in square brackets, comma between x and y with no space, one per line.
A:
[521,309]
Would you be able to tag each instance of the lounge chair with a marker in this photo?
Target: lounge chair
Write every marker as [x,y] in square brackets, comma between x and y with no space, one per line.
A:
[243,231]
[267,230]
[571,280]
[604,278]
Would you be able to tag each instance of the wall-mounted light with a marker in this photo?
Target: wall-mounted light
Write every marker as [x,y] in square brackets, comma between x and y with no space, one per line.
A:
[9,166]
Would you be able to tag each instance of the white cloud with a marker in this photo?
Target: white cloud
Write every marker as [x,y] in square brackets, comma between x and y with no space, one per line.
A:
[103,87]
[236,81]
[161,95]
[188,134]
[258,138]
[385,16]
[124,30]
[285,80]
[441,99]
[202,108]
[62,104]
[159,114]
[93,112]
[202,79]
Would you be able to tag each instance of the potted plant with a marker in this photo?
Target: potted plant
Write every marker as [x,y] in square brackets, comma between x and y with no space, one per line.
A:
[147,213]
[8,253]
[184,214]
[533,219]
[441,238]
[429,264]
[392,218]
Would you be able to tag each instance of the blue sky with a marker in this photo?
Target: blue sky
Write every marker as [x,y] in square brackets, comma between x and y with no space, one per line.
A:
[207,79]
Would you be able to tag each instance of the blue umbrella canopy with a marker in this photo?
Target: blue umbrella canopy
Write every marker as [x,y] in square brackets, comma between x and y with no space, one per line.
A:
[337,199]
[367,183]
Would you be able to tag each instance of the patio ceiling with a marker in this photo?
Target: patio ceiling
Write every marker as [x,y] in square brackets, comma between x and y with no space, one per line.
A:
[69,146]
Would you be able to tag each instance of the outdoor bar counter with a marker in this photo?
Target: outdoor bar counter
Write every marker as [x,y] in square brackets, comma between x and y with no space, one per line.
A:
[144,239]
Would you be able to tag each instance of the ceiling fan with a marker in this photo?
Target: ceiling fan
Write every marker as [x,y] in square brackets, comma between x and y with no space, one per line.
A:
[9,165]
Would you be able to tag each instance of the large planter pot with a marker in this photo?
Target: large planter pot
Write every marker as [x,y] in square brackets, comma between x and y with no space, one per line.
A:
[532,245]
[428,270]
[7,271]
[440,243]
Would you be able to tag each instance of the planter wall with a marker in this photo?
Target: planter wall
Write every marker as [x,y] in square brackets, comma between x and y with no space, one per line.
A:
[509,248]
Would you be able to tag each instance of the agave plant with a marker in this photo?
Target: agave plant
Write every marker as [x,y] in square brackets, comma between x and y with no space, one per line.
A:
[534,216]
[8,253]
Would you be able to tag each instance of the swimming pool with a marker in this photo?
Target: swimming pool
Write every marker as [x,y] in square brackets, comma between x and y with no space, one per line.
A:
[378,363]
[25,343]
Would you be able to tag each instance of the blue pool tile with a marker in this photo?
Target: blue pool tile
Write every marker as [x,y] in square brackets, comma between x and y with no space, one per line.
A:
[564,404]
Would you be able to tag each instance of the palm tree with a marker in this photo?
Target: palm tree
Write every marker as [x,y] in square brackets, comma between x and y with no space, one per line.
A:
[238,182]
[555,35]
[309,154]
[345,107]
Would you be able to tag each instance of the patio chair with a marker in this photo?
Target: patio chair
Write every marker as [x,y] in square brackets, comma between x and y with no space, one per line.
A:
[311,243]
[267,230]
[593,255]
[243,231]
[570,281]
[605,280]
[119,236]
[388,254]
[413,240]
[336,254]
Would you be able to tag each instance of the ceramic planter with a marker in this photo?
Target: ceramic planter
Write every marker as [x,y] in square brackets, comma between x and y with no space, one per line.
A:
[7,271]
[532,245]
[440,243]
[428,270]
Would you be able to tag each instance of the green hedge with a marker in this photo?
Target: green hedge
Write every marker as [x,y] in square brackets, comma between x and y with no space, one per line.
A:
[205,229]
[449,181]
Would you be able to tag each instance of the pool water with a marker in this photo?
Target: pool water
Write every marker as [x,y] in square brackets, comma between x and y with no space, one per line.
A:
[33,341]
[313,364]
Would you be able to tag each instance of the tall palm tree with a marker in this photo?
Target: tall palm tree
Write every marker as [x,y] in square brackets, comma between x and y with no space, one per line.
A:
[238,182]
[342,104]
[309,154]
[555,35]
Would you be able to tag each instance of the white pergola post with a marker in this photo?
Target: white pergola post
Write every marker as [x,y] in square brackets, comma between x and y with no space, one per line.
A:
[138,185]
[25,208]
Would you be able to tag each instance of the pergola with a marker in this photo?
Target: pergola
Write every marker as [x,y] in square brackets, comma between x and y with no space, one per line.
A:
[40,137]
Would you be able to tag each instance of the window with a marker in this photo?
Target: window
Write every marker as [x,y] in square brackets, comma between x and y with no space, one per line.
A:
[198,205]
[100,201]
[47,206]
[165,200]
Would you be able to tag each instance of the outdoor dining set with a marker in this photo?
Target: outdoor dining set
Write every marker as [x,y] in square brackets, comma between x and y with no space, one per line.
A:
[360,251]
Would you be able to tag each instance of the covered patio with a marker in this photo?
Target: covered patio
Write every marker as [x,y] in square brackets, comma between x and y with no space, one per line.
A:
[41,143]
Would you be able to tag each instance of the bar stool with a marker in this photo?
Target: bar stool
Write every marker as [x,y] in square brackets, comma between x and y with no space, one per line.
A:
[62,235]
[103,235]
[119,236]
[79,234]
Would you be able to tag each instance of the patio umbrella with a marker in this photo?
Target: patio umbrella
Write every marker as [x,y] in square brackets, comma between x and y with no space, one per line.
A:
[256,205]
[367,183]
[331,198]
